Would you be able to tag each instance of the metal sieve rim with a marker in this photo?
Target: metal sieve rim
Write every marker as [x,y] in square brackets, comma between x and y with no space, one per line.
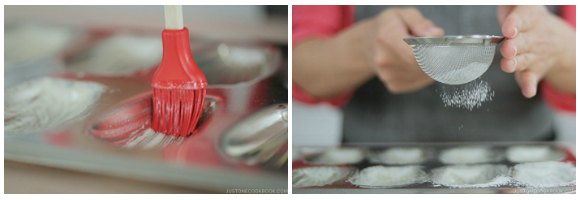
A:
[456,40]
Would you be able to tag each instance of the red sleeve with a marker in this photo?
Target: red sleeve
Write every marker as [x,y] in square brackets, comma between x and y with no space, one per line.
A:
[555,98]
[299,94]
[558,100]
[319,21]
[569,14]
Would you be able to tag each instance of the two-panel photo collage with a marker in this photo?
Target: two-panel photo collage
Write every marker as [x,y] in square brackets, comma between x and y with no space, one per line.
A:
[289,99]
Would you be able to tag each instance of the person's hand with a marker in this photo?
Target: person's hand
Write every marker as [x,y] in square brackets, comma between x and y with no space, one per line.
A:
[393,59]
[538,45]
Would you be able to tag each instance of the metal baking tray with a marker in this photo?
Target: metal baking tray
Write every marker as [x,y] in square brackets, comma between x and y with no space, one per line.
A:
[199,161]
[310,156]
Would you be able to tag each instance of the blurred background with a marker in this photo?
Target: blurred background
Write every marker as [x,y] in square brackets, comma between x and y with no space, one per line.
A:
[249,22]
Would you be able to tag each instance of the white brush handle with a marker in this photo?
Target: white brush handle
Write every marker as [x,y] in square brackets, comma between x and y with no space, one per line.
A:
[173,18]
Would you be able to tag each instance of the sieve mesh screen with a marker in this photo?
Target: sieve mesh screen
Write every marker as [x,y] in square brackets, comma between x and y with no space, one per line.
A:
[454,64]
[454,60]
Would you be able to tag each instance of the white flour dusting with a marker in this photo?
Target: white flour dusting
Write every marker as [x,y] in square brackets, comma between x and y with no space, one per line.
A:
[529,153]
[471,176]
[467,155]
[381,176]
[468,96]
[318,176]
[47,102]
[121,55]
[241,56]
[401,156]
[340,156]
[545,174]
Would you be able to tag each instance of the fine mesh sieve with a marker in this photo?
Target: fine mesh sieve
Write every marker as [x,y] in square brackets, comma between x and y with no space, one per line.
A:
[454,60]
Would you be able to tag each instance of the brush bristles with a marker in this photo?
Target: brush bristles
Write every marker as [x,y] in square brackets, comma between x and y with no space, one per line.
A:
[177,111]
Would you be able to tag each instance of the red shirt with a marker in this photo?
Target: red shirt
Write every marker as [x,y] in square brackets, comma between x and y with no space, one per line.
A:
[327,21]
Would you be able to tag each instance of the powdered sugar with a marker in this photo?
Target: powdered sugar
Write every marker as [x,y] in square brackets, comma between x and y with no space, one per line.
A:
[318,176]
[530,153]
[400,156]
[467,155]
[471,176]
[468,96]
[46,103]
[339,156]
[545,174]
[382,177]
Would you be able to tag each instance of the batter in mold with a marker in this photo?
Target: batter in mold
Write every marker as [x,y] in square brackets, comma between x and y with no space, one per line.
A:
[120,55]
[46,103]
[383,177]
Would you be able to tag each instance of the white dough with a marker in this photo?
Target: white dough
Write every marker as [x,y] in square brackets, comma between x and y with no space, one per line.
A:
[474,176]
[339,156]
[381,176]
[47,102]
[318,176]
[121,55]
[467,155]
[545,174]
[26,42]
[520,154]
[401,156]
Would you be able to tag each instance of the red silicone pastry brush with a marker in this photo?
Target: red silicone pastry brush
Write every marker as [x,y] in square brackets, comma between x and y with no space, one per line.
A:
[178,84]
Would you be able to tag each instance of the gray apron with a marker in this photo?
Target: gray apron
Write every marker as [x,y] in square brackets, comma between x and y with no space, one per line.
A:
[375,115]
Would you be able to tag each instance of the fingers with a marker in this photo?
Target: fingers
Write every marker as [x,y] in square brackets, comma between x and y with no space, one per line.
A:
[519,19]
[519,63]
[516,54]
[510,25]
[512,47]
[509,49]
[515,50]
[503,11]
[528,82]
[418,24]
[508,65]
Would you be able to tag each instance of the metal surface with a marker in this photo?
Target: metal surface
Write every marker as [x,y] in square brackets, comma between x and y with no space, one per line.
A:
[260,138]
[128,124]
[454,60]
[456,40]
[194,162]
[311,176]
[432,162]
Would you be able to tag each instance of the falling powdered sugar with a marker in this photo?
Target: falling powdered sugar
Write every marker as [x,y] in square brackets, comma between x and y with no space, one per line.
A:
[468,96]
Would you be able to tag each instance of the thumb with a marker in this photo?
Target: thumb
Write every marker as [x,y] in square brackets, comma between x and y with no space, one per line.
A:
[528,82]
